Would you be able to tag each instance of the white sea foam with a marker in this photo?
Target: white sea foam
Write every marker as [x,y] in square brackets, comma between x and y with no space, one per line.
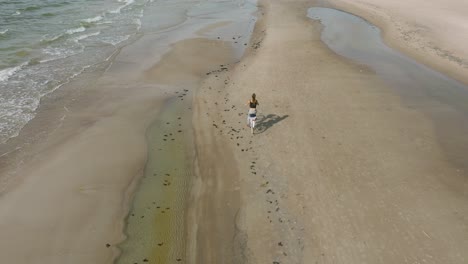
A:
[5,74]
[51,39]
[81,37]
[127,2]
[75,30]
[17,13]
[138,23]
[93,19]
[115,39]
[118,9]
[60,53]
[15,113]
[2,32]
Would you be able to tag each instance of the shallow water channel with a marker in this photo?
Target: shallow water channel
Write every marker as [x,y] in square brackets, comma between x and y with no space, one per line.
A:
[156,223]
[442,99]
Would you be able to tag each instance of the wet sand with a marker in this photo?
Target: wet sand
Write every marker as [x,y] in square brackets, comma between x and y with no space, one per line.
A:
[69,179]
[343,167]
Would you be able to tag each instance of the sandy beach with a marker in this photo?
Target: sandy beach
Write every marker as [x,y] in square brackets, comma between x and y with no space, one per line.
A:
[150,160]
[342,168]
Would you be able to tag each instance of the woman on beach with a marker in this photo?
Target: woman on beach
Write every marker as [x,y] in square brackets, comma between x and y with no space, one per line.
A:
[252,103]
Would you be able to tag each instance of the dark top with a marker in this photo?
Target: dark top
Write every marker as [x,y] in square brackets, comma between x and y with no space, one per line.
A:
[253,104]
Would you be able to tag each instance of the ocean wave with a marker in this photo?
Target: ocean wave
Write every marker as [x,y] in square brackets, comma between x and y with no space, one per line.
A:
[16,112]
[5,74]
[118,9]
[85,36]
[138,23]
[17,13]
[31,8]
[58,4]
[129,2]
[4,31]
[115,39]
[12,120]
[46,39]
[56,53]
[93,19]
[48,15]
[75,30]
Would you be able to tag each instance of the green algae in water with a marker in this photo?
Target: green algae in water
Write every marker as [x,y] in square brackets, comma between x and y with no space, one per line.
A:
[156,222]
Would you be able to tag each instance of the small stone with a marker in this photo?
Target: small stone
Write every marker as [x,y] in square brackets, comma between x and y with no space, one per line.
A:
[107,245]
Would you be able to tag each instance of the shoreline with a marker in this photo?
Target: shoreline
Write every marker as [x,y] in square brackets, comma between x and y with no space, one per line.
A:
[411,37]
[336,160]
[124,99]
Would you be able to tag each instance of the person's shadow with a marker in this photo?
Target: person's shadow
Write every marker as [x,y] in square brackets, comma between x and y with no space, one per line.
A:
[265,122]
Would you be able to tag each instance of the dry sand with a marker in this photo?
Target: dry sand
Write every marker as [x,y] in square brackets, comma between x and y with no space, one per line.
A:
[340,170]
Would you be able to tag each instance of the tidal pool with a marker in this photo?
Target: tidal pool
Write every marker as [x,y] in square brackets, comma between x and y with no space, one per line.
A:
[442,99]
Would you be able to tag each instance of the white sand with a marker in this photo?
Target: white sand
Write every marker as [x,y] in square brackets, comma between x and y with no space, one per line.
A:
[434,32]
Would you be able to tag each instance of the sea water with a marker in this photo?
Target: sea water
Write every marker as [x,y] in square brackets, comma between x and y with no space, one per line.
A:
[45,44]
